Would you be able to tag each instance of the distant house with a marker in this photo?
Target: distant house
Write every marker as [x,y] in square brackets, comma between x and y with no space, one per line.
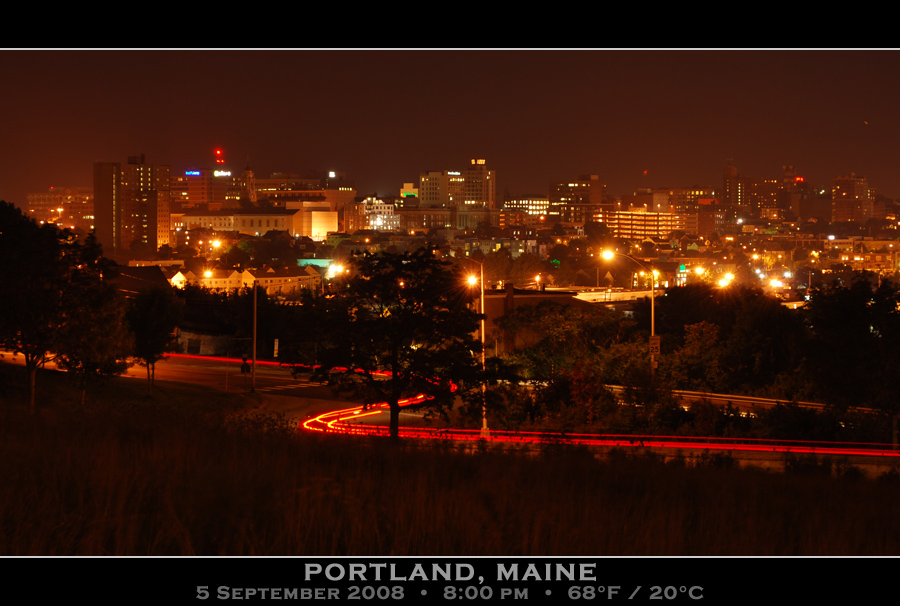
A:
[285,281]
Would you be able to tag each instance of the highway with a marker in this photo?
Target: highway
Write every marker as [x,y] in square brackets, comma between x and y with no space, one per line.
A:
[223,374]
[315,408]
[355,421]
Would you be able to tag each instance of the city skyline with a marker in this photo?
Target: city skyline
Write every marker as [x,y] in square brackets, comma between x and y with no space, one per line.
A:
[384,116]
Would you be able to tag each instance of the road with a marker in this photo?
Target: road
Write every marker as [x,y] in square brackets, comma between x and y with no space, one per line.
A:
[315,407]
[277,390]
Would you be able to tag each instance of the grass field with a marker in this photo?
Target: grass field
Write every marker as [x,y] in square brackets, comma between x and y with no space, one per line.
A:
[182,473]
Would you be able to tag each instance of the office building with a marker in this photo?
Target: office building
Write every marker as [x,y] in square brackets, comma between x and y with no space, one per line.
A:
[851,199]
[475,187]
[69,207]
[371,214]
[578,201]
[291,190]
[480,185]
[131,205]
[761,198]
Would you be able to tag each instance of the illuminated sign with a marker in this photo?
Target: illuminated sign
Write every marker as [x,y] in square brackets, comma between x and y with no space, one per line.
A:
[192,173]
[222,173]
[331,175]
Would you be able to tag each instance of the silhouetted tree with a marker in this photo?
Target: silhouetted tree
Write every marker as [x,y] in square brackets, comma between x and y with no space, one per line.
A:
[853,356]
[94,340]
[52,281]
[409,314]
[153,316]
[596,233]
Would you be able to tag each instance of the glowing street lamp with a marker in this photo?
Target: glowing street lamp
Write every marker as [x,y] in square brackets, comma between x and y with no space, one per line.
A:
[485,432]
[654,340]
[335,270]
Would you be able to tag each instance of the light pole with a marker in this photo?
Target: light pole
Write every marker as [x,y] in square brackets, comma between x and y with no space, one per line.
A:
[253,366]
[654,340]
[485,432]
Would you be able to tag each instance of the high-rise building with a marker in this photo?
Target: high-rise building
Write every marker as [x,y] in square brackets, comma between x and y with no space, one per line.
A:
[480,184]
[131,204]
[206,188]
[686,200]
[851,198]
[441,189]
[758,197]
[730,185]
[578,201]
[475,187]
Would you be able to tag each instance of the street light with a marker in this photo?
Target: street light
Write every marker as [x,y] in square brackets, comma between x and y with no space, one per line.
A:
[654,340]
[253,367]
[485,432]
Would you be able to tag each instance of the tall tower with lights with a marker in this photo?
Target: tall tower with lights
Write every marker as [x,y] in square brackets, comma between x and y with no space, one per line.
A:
[131,204]
[480,184]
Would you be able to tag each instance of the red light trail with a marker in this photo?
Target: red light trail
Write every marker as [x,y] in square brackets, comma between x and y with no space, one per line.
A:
[344,421]
[340,421]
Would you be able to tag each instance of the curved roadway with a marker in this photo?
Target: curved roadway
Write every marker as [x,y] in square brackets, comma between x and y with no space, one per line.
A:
[351,419]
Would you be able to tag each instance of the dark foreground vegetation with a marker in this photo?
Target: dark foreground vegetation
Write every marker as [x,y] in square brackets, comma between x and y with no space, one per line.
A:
[175,473]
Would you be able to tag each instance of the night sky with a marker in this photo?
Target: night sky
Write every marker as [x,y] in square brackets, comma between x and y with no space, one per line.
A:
[382,116]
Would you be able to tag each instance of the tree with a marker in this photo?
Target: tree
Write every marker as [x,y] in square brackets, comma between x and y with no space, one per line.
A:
[165,252]
[153,316]
[93,338]
[596,233]
[51,285]
[551,336]
[696,365]
[526,267]
[409,314]
[497,264]
[853,354]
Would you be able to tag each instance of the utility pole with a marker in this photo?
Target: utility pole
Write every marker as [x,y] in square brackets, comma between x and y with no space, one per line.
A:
[253,366]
